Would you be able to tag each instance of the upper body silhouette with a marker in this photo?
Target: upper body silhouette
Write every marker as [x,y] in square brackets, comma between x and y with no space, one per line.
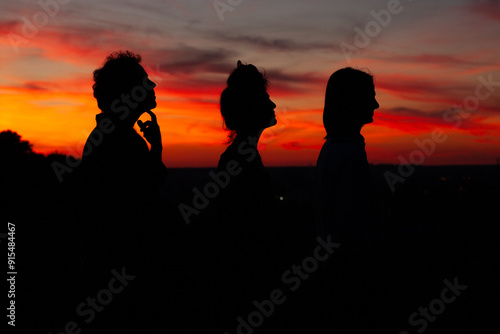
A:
[247,110]
[119,179]
[343,186]
[117,165]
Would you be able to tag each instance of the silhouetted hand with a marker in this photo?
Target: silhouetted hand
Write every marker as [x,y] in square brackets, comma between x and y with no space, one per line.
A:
[151,131]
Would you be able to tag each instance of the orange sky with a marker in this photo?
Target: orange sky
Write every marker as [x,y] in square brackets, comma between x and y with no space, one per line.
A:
[428,59]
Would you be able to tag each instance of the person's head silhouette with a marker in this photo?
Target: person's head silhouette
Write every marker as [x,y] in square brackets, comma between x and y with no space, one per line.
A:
[245,104]
[122,87]
[349,101]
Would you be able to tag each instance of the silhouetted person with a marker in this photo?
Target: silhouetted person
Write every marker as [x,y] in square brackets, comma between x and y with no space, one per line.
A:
[245,207]
[117,188]
[343,175]
[117,162]
[247,110]
[345,199]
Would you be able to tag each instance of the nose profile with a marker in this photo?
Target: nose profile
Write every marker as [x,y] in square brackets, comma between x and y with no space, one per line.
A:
[376,105]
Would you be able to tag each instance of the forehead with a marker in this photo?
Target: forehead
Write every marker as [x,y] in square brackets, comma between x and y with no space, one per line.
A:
[264,94]
[257,91]
[368,87]
[139,70]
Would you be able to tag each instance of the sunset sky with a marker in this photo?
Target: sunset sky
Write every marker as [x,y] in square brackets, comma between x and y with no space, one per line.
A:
[428,58]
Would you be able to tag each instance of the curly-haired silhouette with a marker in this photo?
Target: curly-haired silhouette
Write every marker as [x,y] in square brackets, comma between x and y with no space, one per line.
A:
[116,159]
[245,207]
[344,198]
[117,185]
[120,177]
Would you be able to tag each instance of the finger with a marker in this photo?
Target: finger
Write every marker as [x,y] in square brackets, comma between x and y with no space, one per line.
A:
[153,116]
[150,126]
[141,125]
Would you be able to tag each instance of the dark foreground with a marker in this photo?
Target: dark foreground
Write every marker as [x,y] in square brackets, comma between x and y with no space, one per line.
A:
[436,268]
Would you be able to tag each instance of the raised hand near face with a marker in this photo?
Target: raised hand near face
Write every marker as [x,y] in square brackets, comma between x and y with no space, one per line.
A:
[151,131]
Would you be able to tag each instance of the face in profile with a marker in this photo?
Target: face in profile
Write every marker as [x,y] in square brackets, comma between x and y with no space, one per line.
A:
[265,109]
[150,100]
[142,96]
[368,104]
[364,104]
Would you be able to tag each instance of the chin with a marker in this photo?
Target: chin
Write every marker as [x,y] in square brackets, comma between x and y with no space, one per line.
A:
[273,122]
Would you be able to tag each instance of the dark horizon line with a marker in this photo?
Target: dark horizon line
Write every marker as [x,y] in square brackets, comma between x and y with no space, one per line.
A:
[376,165]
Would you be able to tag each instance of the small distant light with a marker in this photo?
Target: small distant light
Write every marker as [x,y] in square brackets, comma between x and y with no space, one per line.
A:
[281,198]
